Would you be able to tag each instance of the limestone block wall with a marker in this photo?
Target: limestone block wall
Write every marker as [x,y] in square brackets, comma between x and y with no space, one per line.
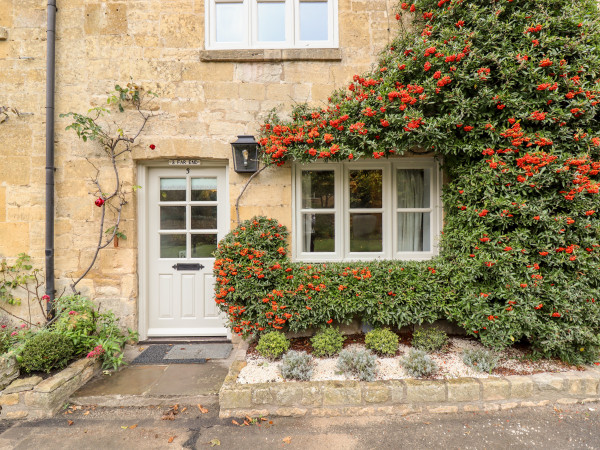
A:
[206,99]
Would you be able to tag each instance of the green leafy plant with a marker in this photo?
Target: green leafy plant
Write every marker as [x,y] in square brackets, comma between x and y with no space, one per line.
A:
[327,342]
[359,363]
[272,345]
[93,333]
[382,341]
[46,351]
[297,366]
[418,364]
[5,342]
[430,339]
[480,359]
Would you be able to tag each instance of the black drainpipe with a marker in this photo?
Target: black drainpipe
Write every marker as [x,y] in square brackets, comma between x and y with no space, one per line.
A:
[50,71]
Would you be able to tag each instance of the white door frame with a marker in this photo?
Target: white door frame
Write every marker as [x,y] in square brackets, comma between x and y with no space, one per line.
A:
[142,227]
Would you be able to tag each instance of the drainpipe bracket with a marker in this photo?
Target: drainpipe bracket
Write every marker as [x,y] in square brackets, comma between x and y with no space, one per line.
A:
[3,33]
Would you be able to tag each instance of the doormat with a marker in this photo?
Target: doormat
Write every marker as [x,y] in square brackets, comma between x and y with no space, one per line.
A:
[182,353]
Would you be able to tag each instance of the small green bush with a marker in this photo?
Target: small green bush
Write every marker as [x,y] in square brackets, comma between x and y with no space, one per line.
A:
[480,359]
[327,342]
[430,339]
[418,364]
[46,351]
[359,363]
[297,366]
[272,345]
[382,341]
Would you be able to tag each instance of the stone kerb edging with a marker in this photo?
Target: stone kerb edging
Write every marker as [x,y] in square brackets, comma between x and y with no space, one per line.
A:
[34,398]
[333,398]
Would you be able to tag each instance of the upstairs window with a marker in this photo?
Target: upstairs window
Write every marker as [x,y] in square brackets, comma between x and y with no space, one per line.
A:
[271,24]
[367,210]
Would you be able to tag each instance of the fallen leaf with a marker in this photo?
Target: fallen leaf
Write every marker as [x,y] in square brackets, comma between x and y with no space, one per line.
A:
[287,439]
[246,423]
[171,439]
[86,413]
[235,422]
[70,422]
[270,422]
[202,409]
[183,409]
[249,419]
[214,442]
[427,423]
[264,419]
[124,427]
[133,426]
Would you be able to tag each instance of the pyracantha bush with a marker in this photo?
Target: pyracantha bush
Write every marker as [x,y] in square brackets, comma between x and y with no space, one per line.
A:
[418,364]
[429,339]
[327,342]
[297,366]
[506,93]
[272,345]
[46,351]
[358,363]
[480,359]
[382,341]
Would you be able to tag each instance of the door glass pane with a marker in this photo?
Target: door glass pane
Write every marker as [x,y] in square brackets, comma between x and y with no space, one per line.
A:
[413,188]
[365,188]
[204,217]
[414,232]
[204,189]
[172,218]
[366,233]
[313,21]
[203,245]
[172,245]
[319,233]
[230,22]
[271,22]
[172,189]
[318,189]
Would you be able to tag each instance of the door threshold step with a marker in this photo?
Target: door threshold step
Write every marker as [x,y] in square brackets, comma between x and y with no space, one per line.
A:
[185,340]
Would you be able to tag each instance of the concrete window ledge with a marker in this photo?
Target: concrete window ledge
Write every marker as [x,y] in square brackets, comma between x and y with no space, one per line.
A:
[344,398]
[277,55]
[34,398]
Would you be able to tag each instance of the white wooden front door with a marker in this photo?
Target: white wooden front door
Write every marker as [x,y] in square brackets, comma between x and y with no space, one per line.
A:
[188,211]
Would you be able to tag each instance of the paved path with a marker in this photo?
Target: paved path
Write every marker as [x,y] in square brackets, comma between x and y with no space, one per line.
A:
[143,428]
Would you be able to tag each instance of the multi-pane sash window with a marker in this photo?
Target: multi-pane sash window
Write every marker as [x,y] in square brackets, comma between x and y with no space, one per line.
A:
[240,24]
[367,210]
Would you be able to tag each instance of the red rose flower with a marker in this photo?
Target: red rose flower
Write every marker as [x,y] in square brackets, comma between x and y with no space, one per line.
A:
[99,202]
[152,146]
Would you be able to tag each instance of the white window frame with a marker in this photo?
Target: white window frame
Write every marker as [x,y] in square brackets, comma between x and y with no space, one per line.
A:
[292,26]
[389,210]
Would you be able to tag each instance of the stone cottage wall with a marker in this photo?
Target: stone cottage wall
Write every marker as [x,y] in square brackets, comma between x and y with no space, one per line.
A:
[207,98]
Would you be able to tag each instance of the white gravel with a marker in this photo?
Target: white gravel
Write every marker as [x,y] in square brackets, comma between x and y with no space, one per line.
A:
[450,364]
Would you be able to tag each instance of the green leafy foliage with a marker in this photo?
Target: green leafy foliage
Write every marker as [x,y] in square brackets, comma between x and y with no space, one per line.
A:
[272,345]
[358,363]
[46,351]
[382,341]
[327,342]
[92,332]
[5,342]
[480,359]
[297,366]
[506,94]
[418,364]
[15,275]
[430,339]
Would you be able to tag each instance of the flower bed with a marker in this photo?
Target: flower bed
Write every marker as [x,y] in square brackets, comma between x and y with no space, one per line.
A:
[34,397]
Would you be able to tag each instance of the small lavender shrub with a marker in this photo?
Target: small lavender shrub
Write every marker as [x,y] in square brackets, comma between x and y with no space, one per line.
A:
[359,363]
[480,359]
[418,364]
[297,366]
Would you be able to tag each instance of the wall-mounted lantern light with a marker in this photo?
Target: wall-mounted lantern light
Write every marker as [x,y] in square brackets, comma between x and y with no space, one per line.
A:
[245,154]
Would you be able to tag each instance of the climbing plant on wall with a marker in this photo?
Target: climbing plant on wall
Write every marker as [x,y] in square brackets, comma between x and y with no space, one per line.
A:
[506,94]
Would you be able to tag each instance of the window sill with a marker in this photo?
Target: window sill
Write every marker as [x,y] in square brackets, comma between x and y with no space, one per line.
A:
[274,55]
